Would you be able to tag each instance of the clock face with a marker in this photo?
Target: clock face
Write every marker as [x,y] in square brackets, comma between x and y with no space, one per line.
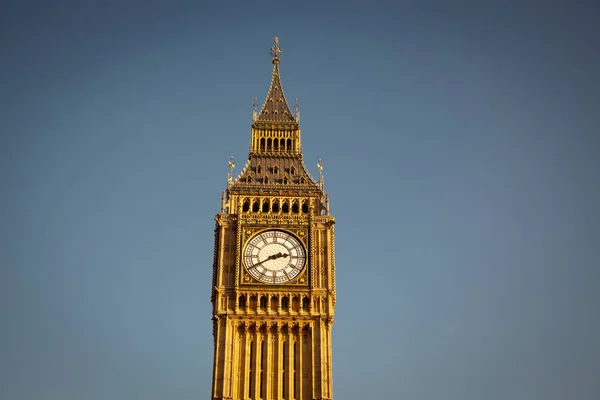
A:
[274,257]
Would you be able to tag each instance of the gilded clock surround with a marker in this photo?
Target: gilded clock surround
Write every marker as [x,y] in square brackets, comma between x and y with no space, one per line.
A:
[273,340]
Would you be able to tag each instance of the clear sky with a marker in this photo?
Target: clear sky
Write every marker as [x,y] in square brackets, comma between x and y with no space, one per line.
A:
[461,145]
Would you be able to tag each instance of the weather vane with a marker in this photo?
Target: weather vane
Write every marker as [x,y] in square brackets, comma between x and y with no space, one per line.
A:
[276,50]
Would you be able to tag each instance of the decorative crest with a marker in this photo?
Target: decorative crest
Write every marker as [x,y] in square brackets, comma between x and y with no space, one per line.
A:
[276,50]
[296,106]
[255,105]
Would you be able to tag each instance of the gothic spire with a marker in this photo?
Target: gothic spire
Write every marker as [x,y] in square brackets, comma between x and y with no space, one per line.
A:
[275,107]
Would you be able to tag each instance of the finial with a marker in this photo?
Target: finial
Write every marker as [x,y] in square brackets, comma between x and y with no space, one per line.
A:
[320,167]
[276,50]
[255,105]
[296,106]
[231,165]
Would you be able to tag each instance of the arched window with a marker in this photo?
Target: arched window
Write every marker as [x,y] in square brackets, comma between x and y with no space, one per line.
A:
[246,205]
[306,304]
[304,207]
[289,144]
[242,301]
[295,207]
[275,206]
[263,301]
[266,180]
[269,143]
[285,303]
[284,180]
[285,207]
[282,142]
[275,144]
[255,205]
[249,179]
[262,144]
[275,170]
[292,170]
[265,206]
[259,169]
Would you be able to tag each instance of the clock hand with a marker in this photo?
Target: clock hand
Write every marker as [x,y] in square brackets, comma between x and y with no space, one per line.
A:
[271,257]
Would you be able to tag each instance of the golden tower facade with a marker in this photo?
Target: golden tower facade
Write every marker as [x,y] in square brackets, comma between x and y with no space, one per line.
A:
[273,290]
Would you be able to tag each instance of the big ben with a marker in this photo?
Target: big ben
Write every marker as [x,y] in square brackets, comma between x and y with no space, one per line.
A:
[273,287]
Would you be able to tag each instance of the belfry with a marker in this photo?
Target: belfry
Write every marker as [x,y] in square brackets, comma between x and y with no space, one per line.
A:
[273,285]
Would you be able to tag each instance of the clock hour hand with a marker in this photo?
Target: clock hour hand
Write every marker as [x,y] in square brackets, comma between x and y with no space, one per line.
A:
[278,255]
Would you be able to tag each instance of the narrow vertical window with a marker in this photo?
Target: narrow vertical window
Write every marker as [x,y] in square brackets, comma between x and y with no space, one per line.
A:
[283,374]
[294,370]
[250,372]
[262,368]
[263,302]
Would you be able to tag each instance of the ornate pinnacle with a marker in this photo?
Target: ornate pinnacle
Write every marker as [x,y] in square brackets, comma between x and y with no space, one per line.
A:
[320,167]
[231,165]
[254,113]
[276,50]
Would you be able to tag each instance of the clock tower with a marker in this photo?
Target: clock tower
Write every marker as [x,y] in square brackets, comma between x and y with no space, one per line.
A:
[273,285]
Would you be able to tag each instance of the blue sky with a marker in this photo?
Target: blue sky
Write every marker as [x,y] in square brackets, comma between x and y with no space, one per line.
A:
[460,142]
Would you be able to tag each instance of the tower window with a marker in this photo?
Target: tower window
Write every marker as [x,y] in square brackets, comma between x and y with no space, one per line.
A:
[275,170]
[266,180]
[295,207]
[285,180]
[304,207]
[246,205]
[262,143]
[306,304]
[285,208]
[285,303]
[255,205]
[259,169]
[249,179]
[242,301]
[302,180]
[265,205]
[263,301]
[289,144]
[292,170]
[275,206]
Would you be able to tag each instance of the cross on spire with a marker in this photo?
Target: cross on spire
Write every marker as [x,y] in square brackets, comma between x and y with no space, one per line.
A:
[276,50]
